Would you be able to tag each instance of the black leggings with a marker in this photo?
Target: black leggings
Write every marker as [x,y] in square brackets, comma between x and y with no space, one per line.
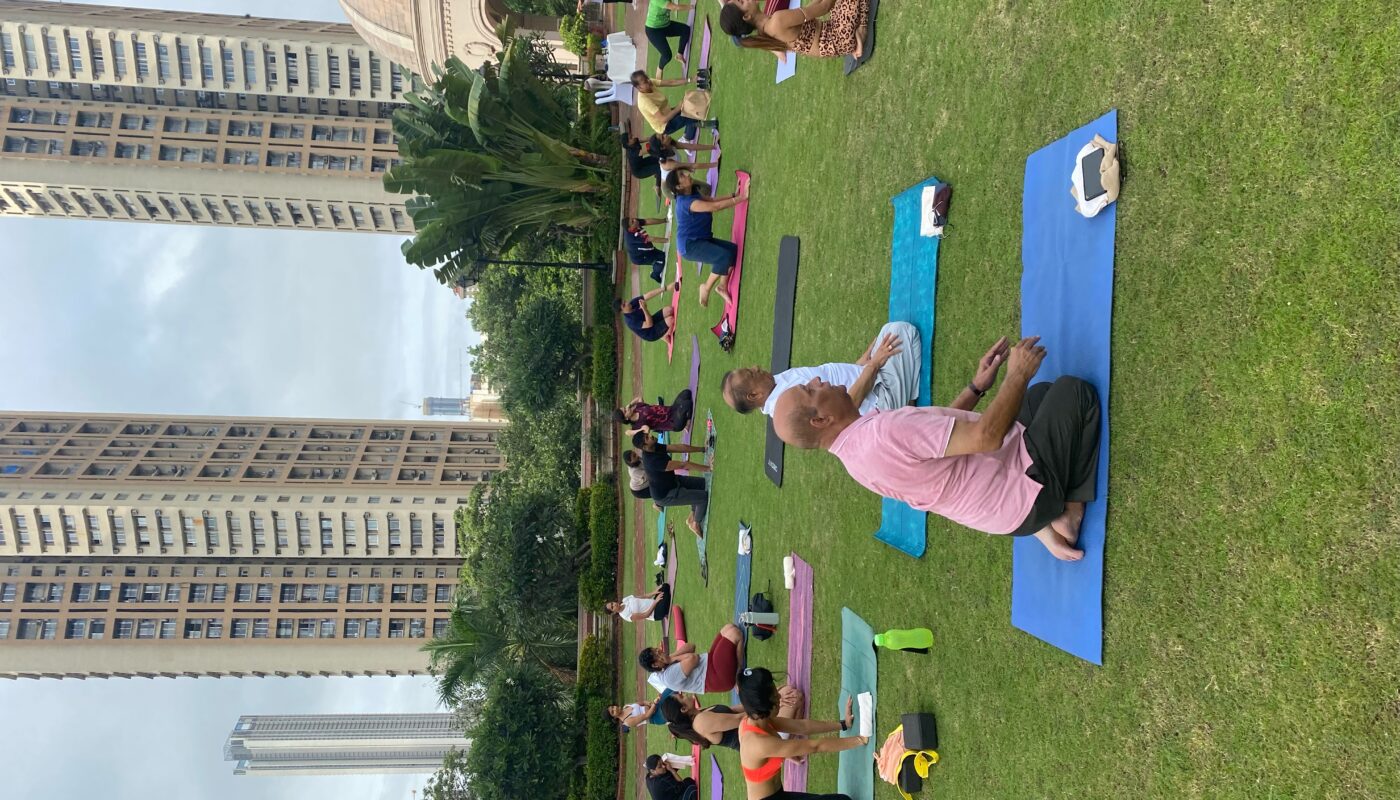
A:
[658,38]
[663,608]
[783,794]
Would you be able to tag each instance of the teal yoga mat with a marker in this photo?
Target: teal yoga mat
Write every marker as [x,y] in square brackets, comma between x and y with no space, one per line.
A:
[913,281]
[855,770]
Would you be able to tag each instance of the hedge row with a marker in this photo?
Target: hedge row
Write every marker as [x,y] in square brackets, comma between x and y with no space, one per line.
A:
[604,361]
[593,693]
[599,582]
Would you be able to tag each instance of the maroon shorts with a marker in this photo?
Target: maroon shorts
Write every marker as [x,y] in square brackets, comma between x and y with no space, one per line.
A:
[722,667]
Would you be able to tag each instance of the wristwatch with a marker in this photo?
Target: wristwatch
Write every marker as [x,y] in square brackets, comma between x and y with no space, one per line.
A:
[972,387]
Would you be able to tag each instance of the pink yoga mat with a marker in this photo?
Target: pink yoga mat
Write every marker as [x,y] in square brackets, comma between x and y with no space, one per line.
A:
[716,781]
[675,309]
[741,224]
[705,46]
[799,661]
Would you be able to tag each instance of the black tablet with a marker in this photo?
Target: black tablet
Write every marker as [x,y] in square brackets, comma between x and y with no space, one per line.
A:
[1089,167]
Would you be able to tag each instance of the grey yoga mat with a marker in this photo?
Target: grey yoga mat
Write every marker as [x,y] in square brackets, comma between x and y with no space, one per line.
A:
[783,300]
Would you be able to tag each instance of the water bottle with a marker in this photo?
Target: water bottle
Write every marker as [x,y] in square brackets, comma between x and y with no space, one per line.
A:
[912,640]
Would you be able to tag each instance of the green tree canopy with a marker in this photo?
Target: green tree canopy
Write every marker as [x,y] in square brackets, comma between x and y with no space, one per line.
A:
[520,749]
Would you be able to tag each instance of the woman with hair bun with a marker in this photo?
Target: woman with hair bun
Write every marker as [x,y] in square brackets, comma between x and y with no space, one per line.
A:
[762,747]
[801,30]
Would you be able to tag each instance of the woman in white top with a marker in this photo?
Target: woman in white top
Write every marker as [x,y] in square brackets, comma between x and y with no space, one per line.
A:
[639,608]
[632,715]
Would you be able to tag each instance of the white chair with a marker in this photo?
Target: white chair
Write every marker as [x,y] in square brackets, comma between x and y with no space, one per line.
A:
[619,93]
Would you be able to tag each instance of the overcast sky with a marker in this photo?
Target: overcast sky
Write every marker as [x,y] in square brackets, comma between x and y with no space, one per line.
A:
[132,317]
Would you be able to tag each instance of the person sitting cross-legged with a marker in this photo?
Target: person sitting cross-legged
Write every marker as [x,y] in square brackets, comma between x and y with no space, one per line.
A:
[645,416]
[718,724]
[668,488]
[640,608]
[642,248]
[697,673]
[886,376]
[648,326]
[1026,467]
[658,111]
[664,783]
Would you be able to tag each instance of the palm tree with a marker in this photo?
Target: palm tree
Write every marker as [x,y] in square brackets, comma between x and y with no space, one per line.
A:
[480,642]
[487,155]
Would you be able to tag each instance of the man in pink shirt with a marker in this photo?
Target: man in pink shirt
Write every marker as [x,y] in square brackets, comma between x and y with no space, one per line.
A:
[1025,467]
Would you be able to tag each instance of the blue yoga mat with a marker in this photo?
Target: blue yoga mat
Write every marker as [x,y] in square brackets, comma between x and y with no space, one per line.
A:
[743,576]
[1067,300]
[913,279]
[855,769]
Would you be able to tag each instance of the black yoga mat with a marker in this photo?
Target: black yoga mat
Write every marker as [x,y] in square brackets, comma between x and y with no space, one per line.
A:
[783,300]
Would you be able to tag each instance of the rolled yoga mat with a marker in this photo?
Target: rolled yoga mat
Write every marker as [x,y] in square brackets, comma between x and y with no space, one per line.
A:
[784,298]
[913,282]
[855,771]
[799,657]
[1067,300]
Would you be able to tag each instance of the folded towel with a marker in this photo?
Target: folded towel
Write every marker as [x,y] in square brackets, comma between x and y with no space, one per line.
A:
[928,218]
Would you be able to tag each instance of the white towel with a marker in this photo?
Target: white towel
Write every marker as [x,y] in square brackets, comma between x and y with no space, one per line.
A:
[926,226]
[866,701]
[660,557]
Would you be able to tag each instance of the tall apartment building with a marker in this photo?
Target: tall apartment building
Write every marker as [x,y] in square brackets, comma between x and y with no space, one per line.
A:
[162,116]
[342,744]
[143,545]
[446,406]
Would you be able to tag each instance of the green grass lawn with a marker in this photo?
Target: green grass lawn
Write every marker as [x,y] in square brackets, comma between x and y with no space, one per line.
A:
[1252,597]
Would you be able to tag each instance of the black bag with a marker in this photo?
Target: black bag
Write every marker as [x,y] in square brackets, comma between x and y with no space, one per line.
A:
[761,604]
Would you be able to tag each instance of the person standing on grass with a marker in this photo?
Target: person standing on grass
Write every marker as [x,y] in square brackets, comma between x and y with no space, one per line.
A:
[657,110]
[1026,467]
[694,230]
[648,327]
[670,489]
[661,28]
[698,673]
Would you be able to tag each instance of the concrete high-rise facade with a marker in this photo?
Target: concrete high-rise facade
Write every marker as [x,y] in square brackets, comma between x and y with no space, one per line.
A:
[160,116]
[134,544]
[342,744]
[446,407]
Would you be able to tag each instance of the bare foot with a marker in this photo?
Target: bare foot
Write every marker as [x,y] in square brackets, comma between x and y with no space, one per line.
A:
[1057,546]
[860,43]
[723,295]
[1067,524]
[704,294]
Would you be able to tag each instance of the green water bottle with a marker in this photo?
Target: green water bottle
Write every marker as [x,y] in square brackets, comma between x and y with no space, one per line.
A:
[910,640]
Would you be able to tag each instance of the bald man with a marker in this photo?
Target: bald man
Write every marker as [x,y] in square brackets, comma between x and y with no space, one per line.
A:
[1026,467]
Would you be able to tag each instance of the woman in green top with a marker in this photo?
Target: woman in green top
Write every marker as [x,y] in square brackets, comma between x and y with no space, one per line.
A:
[660,28]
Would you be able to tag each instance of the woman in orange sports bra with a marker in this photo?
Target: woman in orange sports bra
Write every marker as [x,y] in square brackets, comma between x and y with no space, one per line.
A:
[762,748]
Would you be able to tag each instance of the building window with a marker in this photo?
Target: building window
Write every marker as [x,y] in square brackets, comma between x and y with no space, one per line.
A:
[214,628]
[284,629]
[167,629]
[194,629]
[398,628]
[140,152]
[260,629]
[145,629]
[241,629]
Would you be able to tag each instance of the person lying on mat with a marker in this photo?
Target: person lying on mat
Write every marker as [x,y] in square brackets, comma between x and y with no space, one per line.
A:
[657,110]
[641,247]
[664,783]
[640,608]
[698,673]
[1025,467]
[800,30]
[649,327]
[718,724]
[762,742]
[886,376]
[694,230]
[646,416]
[670,489]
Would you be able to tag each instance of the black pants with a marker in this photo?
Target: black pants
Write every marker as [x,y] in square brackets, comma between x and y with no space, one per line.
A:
[659,36]
[663,606]
[783,794]
[1062,439]
[681,410]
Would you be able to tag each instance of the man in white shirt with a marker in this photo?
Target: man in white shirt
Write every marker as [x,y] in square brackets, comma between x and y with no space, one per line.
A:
[886,376]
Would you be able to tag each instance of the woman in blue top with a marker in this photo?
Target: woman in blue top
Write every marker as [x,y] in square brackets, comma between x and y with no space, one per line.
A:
[694,218]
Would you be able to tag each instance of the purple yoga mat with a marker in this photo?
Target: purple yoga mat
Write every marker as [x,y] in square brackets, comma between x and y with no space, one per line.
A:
[694,384]
[705,46]
[716,781]
[799,662]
